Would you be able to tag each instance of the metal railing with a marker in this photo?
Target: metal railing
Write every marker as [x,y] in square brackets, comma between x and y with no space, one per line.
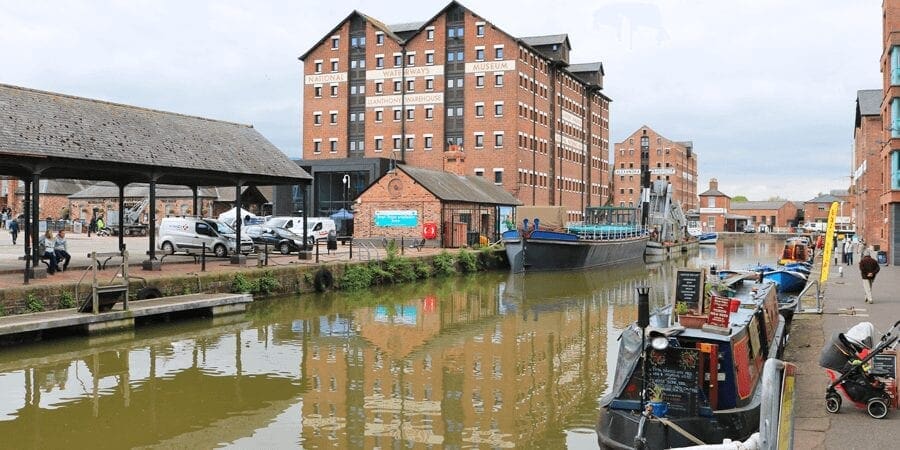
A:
[804,293]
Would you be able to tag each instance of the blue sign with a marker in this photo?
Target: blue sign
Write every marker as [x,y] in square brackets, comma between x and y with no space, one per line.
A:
[408,219]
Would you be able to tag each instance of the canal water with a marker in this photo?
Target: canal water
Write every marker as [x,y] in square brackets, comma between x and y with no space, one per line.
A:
[488,361]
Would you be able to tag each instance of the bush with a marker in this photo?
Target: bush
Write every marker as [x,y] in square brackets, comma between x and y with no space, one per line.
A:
[267,284]
[33,303]
[357,277]
[66,300]
[444,264]
[241,285]
[468,260]
[423,269]
[401,270]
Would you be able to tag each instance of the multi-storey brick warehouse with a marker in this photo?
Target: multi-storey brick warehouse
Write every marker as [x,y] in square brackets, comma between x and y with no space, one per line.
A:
[457,87]
[667,160]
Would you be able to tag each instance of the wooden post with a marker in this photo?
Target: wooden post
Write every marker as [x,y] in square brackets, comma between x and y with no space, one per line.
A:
[94,296]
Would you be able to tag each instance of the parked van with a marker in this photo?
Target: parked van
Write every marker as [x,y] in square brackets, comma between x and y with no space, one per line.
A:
[189,234]
[318,227]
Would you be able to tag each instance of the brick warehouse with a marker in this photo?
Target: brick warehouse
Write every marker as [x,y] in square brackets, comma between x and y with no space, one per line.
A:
[455,89]
[668,160]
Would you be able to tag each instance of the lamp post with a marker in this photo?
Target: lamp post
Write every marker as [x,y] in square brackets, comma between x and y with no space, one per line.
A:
[643,321]
[346,182]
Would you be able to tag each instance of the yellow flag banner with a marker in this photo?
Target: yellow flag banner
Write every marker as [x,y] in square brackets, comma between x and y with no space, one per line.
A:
[829,242]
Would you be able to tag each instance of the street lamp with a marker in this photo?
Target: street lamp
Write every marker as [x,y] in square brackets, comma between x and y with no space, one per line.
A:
[346,182]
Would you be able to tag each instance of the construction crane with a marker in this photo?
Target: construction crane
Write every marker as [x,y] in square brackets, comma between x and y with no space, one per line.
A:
[131,219]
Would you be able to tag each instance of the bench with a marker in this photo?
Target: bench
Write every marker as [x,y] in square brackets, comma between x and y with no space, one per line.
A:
[418,244]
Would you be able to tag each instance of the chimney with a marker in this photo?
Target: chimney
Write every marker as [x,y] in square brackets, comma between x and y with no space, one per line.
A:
[713,184]
[454,160]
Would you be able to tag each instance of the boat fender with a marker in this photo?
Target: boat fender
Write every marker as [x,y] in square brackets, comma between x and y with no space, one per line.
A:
[324,280]
[148,293]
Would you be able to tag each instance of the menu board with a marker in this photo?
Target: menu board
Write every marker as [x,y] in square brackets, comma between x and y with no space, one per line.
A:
[676,371]
[719,311]
[689,287]
[885,365]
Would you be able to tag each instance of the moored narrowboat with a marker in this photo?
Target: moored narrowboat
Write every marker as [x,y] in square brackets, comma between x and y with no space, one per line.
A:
[702,384]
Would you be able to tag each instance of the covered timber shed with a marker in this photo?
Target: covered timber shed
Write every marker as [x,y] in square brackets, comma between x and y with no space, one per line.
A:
[46,135]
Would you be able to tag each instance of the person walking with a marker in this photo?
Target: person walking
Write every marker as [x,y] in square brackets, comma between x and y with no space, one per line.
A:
[851,249]
[92,225]
[14,229]
[61,248]
[868,269]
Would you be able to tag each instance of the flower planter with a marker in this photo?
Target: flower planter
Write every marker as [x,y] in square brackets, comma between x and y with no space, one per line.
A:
[691,321]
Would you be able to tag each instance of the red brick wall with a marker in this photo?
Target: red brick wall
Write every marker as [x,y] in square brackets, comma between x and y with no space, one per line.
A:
[379,198]
[326,103]
[868,187]
[664,154]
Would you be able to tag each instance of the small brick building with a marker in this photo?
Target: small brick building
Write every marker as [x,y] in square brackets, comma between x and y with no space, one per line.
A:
[403,201]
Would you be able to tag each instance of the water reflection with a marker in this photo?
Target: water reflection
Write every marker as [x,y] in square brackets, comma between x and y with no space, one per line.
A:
[493,360]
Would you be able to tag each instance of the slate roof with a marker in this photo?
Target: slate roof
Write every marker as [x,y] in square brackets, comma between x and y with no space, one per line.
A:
[448,186]
[405,27]
[549,39]
[758,205]
[713,192]
[226,193]
[868,101]
[825,198]
[57,187]
[105,140]
[139,190]
[586,67]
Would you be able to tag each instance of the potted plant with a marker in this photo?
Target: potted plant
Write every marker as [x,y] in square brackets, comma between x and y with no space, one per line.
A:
[658,407]
[687,317]
[681,308]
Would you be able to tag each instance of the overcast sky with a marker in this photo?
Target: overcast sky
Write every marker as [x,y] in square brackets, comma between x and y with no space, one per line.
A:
[765,89]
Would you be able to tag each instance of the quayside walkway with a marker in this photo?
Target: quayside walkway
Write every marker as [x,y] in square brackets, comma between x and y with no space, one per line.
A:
[851,428]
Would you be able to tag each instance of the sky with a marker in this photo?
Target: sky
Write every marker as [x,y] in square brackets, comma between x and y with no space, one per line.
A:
[766,89]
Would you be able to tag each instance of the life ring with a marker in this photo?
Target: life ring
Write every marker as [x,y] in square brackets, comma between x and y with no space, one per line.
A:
[148,293]
[324,280]
[429,230]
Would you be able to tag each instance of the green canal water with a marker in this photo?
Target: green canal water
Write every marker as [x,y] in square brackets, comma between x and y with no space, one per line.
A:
[488,361]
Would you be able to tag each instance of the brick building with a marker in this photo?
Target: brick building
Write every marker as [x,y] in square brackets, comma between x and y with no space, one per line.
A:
[462,208]
[890,134]
[524,116]
[777,216]
[867,177]
[816,210]
[668,160]
[713,207]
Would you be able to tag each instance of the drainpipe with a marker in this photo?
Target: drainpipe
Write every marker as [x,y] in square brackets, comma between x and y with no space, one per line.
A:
[403,103]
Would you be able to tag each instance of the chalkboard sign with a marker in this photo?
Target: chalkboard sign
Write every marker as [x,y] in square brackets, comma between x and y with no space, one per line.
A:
[884,365]
[689,288]
[676,372]
[719,311]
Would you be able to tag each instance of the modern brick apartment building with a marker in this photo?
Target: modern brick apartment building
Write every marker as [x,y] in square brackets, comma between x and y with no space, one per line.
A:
[667,160]
[454,90]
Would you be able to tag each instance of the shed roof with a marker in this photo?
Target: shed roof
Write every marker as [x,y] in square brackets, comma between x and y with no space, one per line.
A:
[451,187]
[758,205]
[61,136]
[140,190]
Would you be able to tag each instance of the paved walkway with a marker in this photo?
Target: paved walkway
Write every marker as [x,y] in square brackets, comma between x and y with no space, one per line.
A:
[80,245]
[851,428]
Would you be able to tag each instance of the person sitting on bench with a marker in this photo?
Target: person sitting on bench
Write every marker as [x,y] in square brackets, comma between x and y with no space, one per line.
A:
[47,244]
[62,251]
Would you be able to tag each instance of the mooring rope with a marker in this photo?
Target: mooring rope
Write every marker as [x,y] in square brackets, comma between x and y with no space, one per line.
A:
[681,431]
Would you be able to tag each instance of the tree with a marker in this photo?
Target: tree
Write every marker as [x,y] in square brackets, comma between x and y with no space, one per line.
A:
[739,198]
[776,198]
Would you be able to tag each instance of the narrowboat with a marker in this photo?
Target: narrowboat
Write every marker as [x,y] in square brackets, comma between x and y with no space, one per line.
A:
[700,382]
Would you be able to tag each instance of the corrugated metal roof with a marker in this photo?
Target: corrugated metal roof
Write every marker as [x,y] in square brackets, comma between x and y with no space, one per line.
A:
[39,124]
[451,187]
[140,190]
[869,101]
[758,205]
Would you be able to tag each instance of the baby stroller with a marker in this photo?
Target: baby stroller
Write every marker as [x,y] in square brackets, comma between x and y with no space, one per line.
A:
[846,359]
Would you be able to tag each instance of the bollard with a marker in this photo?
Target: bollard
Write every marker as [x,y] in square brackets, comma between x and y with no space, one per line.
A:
[317,251]
[351,248]
[402,246]
[203,258]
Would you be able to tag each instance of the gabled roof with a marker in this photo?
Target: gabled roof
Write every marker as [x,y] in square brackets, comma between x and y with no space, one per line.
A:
[868,101]
[448,186]
[824,198]
[758,205]
[108,141]
[108,190]
[713,193]
[587,67]
[406,27]
[550,39]
[375,23]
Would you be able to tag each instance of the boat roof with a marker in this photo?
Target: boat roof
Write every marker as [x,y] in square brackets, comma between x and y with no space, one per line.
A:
[746,289]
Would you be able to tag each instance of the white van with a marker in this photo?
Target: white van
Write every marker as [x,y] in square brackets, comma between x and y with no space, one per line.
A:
[319,227]
[189,234]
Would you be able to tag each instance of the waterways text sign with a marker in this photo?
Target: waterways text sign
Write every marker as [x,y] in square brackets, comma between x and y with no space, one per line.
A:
[411,72]
[408,219]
